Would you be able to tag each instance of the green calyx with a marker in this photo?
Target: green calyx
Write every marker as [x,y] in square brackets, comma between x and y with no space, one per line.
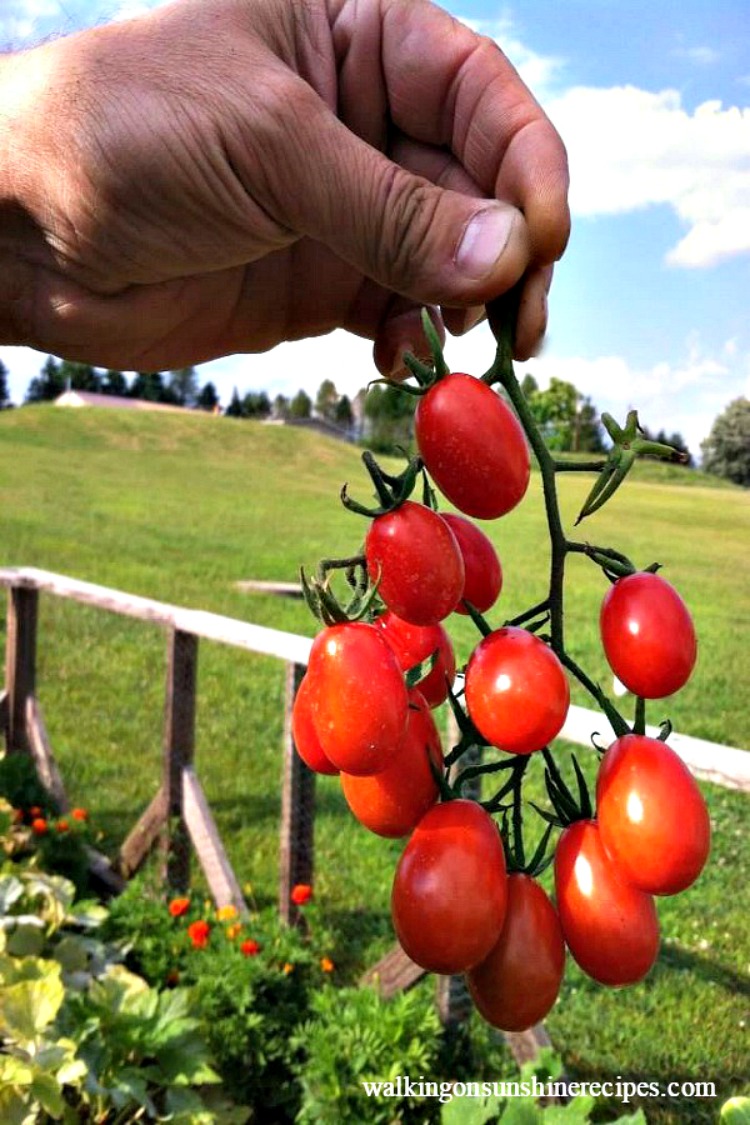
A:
[323,603]
[628,444]
[390,491]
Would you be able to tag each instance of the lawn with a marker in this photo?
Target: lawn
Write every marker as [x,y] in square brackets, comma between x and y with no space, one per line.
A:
[182,508]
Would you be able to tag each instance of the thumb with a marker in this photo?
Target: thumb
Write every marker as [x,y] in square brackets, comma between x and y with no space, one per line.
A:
[430,244]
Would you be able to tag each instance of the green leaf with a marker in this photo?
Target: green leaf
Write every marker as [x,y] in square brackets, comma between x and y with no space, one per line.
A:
[576,1112]
[736,1111]
[72,954]
[46,1089]
[26,940]
[522,1111]
[15,1109]
[470,1111]
[29,1006]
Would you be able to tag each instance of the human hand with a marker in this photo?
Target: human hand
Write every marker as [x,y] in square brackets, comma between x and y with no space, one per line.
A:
[222,175]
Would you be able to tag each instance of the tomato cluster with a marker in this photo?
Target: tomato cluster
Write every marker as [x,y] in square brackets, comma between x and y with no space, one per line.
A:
[464,899]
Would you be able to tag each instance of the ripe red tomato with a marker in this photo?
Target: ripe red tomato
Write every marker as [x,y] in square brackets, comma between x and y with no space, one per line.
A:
[358,697]
[609,925]
[483,575]
[414,643]
[517,693]
[473,446]
[648,635]
[415,554]
[517,984]
[305,738]
[450,888]
[653,820]
[393,801]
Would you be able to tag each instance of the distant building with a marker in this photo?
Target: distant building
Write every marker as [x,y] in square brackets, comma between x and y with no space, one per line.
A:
[113,402]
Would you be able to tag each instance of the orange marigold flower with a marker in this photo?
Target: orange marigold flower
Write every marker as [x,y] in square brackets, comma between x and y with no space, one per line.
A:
[39,826]
[288,968]
[327,964]
[233,930]
[79,814]
[35,811]
[249,948]
[301,893]
[199,932]
[179,906]
[62,826]
[226,913]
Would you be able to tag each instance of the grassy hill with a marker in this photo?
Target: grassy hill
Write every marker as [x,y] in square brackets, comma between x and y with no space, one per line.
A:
[182,508]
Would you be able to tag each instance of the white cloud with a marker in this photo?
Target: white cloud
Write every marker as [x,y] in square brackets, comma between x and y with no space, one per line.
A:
[631,148]
[703,56]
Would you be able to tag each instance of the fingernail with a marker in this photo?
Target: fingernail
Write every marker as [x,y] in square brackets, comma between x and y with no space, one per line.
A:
[483,241]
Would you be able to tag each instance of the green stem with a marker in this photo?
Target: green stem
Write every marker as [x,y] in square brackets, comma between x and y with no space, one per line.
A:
[579,466]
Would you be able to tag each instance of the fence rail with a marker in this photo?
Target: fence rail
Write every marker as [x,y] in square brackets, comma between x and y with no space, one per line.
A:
[179,820]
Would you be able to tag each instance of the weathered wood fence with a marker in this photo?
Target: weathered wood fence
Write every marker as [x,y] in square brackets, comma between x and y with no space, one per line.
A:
[178,820]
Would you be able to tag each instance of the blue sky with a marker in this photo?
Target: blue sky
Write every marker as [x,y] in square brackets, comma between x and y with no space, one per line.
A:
[650,303]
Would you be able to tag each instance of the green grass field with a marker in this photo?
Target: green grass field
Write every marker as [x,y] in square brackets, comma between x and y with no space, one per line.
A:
[182,508]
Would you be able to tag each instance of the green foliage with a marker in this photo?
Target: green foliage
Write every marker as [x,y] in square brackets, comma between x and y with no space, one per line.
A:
[326,400]
[4,392]
[208,397]
[256,404]
[726,450]
[736,1111]
[300,406]
[47,385]
[183,386]
[354,1036]
[389,419]
[568,420]
[114,383]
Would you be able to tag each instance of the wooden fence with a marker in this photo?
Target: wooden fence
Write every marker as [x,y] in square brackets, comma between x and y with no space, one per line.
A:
[178,820]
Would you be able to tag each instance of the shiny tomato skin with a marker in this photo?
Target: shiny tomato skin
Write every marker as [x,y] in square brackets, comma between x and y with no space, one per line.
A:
[473,446]
[304,734]
[517,984]
[648,635]
[415,555]
[359,699]
[517,693]
[609,926]
[483,574]
[414,643]
[391,803]
[450,888]
[653,821]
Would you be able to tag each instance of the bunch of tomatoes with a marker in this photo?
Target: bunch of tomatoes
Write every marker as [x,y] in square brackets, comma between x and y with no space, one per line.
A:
[464,898]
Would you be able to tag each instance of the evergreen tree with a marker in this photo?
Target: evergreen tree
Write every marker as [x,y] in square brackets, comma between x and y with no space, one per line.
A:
[183,385]
[234,410]
[256,404]
[300,406]
[148,385]
[389,414]
[4,393]
[208,398]
[343,414]
[114,383]
[47,385]
[80,376]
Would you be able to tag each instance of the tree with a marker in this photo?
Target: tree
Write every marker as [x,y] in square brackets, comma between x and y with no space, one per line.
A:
[208,398]
[4,394]
[256,404]
[343,414]
[47,385]
[389,415]
[726,450]
[183,384]
[114,383]
[148,385]
[280,407]
[326,400]
[568,420]
[300,406]
[80,376]
[234,410]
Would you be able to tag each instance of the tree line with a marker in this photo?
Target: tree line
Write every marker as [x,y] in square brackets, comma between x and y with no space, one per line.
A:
[383,416]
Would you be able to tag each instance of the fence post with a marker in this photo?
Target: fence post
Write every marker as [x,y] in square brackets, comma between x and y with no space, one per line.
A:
[20,664]
[179,748]
[297,809]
